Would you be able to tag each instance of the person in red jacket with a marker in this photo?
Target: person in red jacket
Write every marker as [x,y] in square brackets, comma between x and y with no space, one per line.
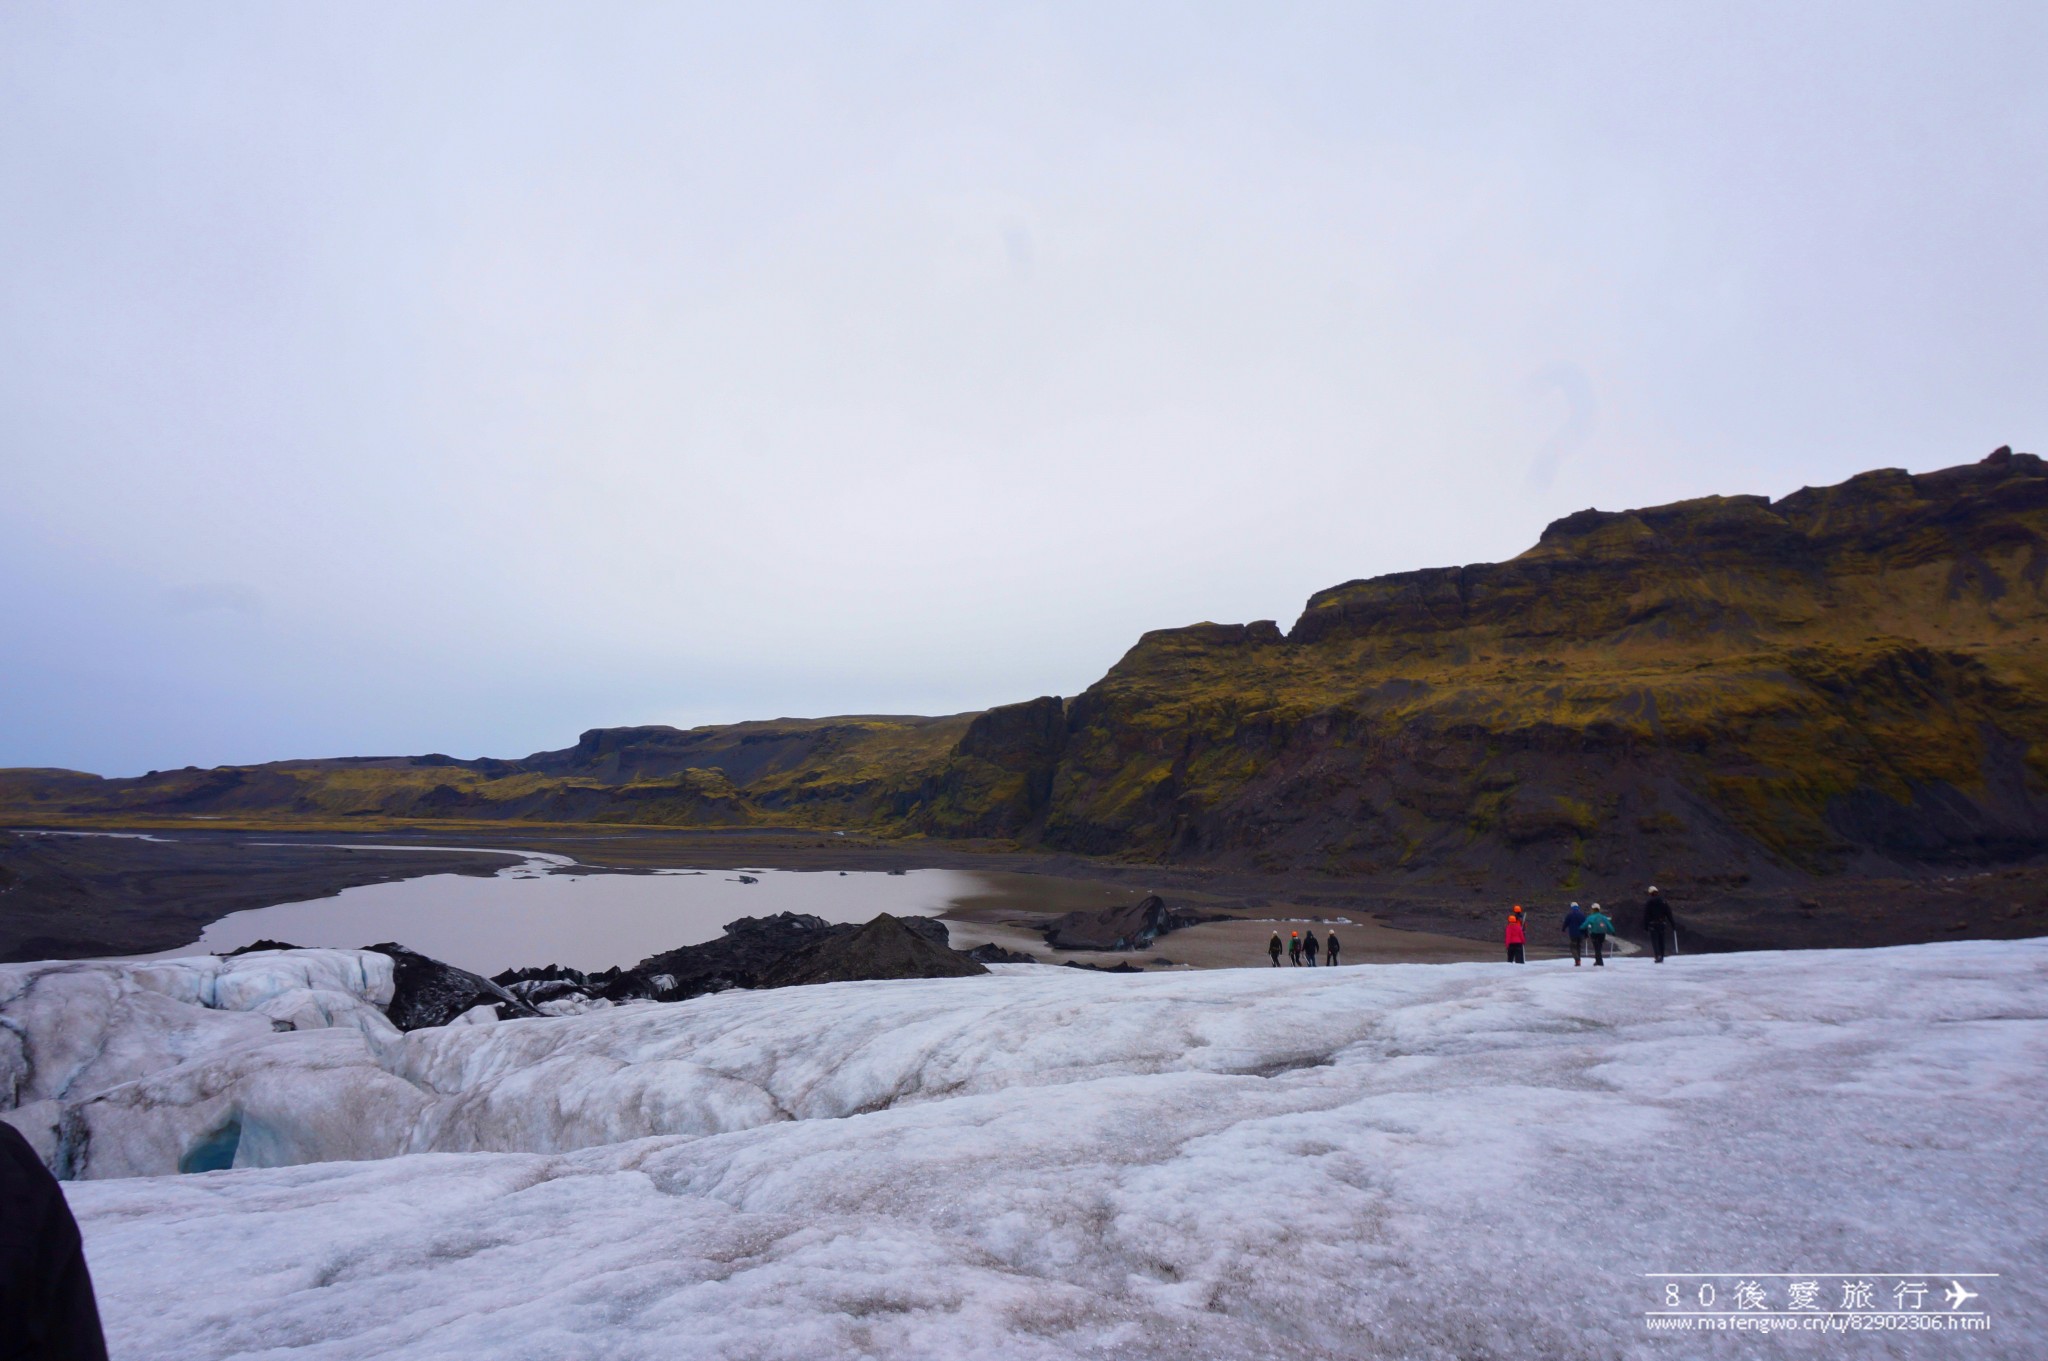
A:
[1516,936]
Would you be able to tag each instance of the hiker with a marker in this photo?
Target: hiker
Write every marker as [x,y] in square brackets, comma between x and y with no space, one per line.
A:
[1273,949]
[1516,935]
[1309,947]
[1657,921]
[46,1301]
[1330,949]
[1599,926]
[1575,932]
[1294,948]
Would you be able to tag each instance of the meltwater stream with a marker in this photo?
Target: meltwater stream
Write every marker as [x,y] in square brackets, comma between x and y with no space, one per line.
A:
[540,912]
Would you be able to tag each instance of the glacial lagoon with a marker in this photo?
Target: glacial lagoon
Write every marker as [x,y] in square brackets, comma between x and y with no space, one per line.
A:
[546,909]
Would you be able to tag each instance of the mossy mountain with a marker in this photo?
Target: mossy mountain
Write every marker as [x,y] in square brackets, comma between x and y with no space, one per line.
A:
[1848,678]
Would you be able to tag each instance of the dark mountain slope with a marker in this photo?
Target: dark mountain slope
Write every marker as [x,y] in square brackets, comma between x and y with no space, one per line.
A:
[1848,678]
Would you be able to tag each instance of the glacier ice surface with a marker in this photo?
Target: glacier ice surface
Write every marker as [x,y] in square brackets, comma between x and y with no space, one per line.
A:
[1414,1161]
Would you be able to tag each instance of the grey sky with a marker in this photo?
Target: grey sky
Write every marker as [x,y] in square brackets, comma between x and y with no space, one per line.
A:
[397,377]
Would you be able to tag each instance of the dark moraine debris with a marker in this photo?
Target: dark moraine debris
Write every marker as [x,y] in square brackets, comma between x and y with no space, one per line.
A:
[781,951]
[547,984]
[738,959]
[1132,927]
[427,992]
[89,897]
[254,946]
[755,950]
[887,947]
[993,953]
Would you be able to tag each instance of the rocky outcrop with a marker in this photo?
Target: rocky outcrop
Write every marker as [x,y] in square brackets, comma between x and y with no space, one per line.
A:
[1132,927]
[1848,678]
[887,947]
[756,952]
[427,992]
[998,779]
[991,953]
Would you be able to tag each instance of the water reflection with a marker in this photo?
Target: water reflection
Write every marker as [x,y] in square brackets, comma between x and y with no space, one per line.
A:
[534,913]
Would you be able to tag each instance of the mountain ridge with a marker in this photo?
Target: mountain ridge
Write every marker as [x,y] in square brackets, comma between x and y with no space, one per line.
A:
[1846,678]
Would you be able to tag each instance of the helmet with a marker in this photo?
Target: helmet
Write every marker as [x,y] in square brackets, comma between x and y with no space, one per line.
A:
[1653,888]
[1575,905]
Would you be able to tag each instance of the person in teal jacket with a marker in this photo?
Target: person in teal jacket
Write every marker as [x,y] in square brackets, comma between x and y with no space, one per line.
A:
[1598,927]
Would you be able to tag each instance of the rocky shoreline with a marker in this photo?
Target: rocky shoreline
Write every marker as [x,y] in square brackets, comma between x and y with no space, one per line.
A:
[69,896]
[84,897]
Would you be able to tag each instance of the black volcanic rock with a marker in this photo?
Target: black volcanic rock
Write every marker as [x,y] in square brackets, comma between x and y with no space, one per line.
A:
[992,953]
[755,952]
[887,947]
[254,946]
[762,952]
[748,949]
[427,992]
[1117,928]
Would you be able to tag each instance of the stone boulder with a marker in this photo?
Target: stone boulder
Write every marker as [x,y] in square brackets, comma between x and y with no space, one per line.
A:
[1133,927]
[427,992]
[887,947]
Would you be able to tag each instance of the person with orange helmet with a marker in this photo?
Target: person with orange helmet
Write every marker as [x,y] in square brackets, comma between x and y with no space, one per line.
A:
[1294,947]
[1517,937]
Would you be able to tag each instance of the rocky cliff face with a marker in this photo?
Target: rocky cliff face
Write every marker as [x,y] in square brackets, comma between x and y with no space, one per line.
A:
[1847,677]
[1850,677]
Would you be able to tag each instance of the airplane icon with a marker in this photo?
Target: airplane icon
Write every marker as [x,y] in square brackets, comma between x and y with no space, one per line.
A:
[1956,1294]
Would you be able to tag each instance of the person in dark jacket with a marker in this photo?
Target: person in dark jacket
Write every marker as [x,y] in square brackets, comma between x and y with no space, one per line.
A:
[1599,926]
[47,1310]
[1294,948]
[1309,947]
[1575,932]
[1330,949]
[1657,921]
[1273,949]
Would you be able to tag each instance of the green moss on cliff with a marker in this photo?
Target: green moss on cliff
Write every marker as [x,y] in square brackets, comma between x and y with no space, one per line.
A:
[1851,671]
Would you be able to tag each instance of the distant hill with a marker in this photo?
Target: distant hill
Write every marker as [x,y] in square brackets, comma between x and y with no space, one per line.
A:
[840,772]
[1848,678]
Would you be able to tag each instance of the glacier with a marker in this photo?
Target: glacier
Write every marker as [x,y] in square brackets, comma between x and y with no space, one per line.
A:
[1405,1160]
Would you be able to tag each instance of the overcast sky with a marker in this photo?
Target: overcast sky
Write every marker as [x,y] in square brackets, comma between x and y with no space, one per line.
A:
[454,377]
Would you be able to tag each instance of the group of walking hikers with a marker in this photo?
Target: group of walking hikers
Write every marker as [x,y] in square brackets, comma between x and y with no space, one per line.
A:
[1581,926]
[1304,943]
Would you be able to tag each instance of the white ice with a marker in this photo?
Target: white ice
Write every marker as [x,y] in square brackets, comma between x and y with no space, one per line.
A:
[1412,1161]
[71,1030]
